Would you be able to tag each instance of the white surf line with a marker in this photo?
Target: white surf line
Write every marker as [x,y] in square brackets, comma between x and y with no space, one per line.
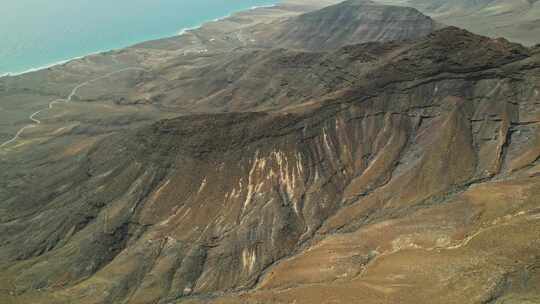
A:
[67,100]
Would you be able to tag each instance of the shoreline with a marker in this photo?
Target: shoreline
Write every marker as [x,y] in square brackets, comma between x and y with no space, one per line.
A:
[181,32]
[53,64]
[191,28]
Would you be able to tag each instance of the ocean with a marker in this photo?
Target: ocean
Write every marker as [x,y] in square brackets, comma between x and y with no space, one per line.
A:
[40,33]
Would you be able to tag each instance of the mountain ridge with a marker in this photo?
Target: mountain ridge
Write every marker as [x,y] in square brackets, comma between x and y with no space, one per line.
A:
[220,207]
[516,20]
[352,21]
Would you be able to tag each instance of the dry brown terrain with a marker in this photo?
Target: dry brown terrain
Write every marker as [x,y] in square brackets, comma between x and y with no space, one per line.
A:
[216,167]
[516,20]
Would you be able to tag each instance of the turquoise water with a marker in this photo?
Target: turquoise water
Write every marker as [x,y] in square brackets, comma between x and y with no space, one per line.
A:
[37,33]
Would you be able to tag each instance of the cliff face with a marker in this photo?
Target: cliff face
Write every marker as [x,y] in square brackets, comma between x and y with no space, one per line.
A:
[417,181]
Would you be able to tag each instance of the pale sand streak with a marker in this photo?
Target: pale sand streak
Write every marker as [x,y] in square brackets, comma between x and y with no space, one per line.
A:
[68,99]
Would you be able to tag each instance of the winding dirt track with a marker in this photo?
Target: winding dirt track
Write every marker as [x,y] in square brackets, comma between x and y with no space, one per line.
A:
[73,92]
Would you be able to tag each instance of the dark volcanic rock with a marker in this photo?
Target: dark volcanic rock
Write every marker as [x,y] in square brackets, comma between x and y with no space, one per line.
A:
[300,76]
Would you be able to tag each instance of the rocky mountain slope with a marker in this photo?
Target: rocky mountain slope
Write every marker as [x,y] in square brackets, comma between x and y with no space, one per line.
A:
[352,21]
[410,176]
[517,20]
